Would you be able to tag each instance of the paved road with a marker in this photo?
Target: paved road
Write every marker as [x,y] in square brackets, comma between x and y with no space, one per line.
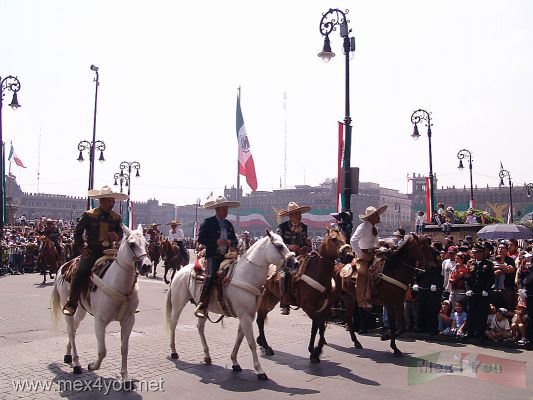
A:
[30,349]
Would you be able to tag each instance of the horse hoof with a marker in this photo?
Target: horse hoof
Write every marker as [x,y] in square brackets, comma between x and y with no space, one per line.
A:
[358,345]
[207,360]
[262,377]
[269,351]
[174,356]
[77,370]
[89,367]
[67,359]
[398,353]
[314,359]
[236,368]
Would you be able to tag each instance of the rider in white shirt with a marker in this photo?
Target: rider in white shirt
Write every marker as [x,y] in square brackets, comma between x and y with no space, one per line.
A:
[176,235]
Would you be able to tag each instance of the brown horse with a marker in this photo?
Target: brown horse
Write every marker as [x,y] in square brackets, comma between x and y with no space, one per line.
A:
[170,253]
[311,288]
[154,252]
[398,273]
[48,257]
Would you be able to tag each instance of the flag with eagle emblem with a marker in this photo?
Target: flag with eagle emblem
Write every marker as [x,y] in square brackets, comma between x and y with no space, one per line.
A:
[246,161]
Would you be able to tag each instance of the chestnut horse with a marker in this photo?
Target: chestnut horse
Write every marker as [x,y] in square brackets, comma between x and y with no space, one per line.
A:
[312,289]
[48,257]
[398,273]
[170,253]
[154,252]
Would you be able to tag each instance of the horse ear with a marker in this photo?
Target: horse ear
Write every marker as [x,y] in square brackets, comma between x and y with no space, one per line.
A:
[125,229]
[269,233]
[140,228]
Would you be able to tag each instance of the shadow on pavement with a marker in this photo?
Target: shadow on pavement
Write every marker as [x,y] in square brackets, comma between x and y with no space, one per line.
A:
[245,381]
[325,368]
[88,384]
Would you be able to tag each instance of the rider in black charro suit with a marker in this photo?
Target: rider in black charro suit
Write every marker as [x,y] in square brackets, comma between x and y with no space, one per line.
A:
[217,235]
[294,235]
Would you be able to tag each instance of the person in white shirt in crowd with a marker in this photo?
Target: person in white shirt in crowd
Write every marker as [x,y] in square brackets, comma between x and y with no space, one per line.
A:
[470,217]
[177,236]
[420,222]
[364,241]
[399,237]
[448,266]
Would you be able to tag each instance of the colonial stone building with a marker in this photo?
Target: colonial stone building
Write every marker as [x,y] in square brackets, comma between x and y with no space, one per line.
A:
[495,200]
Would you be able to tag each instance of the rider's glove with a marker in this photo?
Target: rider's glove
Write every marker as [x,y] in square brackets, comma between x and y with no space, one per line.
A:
[415,287]
[433,288]
[484,294]
[469,293]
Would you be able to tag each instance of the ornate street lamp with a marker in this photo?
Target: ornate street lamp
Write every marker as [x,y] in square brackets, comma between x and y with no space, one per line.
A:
[329,22]
[128,166]
[91,147]
[461,155]
[12,84]
[124,181]
[418,116]
[505,174]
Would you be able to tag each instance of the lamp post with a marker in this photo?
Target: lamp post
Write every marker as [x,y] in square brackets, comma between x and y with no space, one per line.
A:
[329,22]
[529,187]
[505,174]
[91,147]
[398,210]
[418,116]
[461,155]
[124,181]
[12,84]
[196,218]
[126,165]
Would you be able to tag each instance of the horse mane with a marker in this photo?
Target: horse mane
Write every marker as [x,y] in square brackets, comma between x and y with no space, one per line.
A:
[253,247]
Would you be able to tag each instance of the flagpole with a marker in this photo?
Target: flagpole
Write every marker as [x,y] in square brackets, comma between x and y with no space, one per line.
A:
[237,210]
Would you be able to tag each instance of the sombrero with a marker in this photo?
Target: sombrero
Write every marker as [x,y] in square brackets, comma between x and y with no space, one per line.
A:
[154,224]
[174,222]
[105,193]
[294,208]
[371,211]
[221,201]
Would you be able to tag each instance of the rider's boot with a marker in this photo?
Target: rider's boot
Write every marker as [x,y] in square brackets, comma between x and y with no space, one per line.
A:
[201,308]
[285,309]
[72,303]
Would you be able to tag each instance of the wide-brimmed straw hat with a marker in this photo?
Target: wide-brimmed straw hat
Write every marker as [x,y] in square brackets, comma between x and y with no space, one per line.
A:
[105,193]
[174,222]
[221,201]
[294,208]
[371,210]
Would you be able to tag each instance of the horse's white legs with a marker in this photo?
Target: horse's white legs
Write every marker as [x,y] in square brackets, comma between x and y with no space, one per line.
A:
[247,328]
[126,325]
[99,329]
[75,321]
[201,331]
[173,312]
[235,364]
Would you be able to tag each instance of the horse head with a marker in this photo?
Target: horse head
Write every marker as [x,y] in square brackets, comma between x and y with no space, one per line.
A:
[418,249]
[277,252]
[332,244]
[134,250]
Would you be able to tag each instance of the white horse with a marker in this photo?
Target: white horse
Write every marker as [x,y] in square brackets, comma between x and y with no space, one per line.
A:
[243,292]
[115,299]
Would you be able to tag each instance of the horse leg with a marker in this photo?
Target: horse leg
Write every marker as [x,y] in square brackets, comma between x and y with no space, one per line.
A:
[126,325]
[165,276]
[77,318]
[392,327]
[174,312]
[235,365]
[174,272]
[247,328]
[314,329]
[261,338]
[43,271]
[201,331]
[99,329]
[349,319]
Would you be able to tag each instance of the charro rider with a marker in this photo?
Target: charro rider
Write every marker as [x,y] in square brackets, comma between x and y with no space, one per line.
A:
[153,233]
[102,226]
[176,235]
[294,234]
[52,232]
[363,242]
[217,235]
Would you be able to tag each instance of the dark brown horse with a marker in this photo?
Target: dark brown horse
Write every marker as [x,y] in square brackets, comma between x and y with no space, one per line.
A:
[154,252]
[48,257]
[170,253]
[312,290]
[398,273]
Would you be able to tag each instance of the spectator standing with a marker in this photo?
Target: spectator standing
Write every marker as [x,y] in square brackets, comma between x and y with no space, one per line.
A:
[457,280]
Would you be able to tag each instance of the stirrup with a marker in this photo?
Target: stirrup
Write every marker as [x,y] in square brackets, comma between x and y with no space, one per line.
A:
[69,309]
[200,312]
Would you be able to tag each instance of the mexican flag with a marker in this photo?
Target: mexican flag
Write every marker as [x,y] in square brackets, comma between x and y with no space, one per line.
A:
[14,157]
[246,161]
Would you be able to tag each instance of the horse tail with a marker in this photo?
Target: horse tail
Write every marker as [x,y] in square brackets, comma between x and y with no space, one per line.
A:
[168,309]
[55,306]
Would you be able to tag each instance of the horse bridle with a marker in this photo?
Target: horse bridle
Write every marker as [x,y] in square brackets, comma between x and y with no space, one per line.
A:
[135,257]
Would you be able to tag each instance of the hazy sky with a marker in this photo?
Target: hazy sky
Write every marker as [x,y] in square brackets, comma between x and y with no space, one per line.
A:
[169,72]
